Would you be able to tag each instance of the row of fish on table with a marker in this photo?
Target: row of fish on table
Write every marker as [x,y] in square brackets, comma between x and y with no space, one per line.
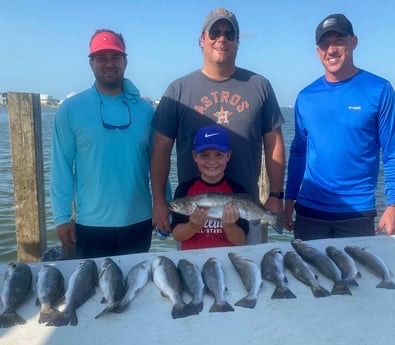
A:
[172,280]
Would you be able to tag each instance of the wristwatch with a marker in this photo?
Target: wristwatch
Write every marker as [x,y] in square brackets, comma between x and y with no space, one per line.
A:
[278,195]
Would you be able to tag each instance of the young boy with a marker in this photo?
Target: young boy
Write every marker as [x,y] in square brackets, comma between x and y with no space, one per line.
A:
[211,154]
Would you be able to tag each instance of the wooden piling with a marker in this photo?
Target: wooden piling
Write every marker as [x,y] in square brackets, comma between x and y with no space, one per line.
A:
[263,185]
[24,112]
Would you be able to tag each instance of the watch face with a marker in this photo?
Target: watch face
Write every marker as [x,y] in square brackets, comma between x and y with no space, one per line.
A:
[279,195]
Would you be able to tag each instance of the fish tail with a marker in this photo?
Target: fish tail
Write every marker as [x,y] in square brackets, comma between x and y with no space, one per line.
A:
[11,319]
[320,291]
[183,310]
[64,319]
[352,282]
[386,284]
[120,308]
[48,314]
[221,307]
[196,305]
[278,223]
[113,307]
[247,302]
[104,311]
[282,293]
[341,288]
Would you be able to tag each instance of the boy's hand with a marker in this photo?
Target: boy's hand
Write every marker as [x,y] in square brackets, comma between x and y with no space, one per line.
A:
[230,215]
[198,217]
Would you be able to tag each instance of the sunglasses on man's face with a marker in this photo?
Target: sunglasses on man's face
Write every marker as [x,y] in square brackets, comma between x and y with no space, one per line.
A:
[216,33]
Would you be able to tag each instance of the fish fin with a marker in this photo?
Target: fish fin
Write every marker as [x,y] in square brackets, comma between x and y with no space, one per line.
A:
[73,318]
[340,288]
[278,226]
[105,310]
[196,306]
[48,314]
[386,284]
[64,319]
[282,293]
[320,291]
[247,302]
[351,282]
[11,319]
[182,310]
[220,307]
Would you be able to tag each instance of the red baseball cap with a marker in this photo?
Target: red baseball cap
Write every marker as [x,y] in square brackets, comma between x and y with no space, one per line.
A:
[106,40]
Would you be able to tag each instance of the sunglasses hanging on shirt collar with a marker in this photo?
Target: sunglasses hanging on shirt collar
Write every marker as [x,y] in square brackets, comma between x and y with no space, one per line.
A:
[111,126]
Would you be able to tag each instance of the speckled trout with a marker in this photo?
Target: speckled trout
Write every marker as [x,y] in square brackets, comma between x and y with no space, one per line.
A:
[214,202]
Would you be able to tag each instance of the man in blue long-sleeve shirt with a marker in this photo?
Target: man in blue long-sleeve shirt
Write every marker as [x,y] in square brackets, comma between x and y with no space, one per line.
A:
[101,152]
[342,121]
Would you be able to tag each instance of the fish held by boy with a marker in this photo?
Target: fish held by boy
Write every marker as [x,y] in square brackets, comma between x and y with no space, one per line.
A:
[214,203]
[16,289]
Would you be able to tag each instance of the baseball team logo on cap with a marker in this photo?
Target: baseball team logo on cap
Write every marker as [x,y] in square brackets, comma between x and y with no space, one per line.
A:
[212,137]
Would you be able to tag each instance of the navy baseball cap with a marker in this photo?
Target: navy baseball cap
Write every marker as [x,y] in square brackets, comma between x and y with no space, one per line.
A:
[211,137]
[334,22]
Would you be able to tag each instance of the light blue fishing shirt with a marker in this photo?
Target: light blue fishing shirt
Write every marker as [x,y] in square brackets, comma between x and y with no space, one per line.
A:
[106,169]
[340,130]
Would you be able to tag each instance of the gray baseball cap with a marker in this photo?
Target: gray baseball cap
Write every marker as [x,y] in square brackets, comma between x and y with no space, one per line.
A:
[221,13]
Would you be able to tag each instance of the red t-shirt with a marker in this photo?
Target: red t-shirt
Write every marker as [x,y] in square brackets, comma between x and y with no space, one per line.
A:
[212,233]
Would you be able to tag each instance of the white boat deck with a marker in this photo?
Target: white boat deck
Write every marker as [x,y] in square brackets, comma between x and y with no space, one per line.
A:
[365,318]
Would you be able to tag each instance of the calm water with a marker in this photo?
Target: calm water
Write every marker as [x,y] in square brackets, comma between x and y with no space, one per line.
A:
[7,216]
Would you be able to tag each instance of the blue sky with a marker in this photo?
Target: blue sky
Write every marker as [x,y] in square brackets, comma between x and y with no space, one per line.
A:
[44,44]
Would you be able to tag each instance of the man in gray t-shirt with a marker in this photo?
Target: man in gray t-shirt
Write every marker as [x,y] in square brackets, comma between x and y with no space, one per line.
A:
[220,93]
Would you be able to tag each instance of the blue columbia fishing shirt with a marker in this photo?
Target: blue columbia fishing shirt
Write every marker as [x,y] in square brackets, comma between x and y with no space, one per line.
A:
[106,169]
[335,154]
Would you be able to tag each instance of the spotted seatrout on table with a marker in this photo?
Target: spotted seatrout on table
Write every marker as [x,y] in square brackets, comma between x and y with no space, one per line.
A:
[322,263]
[302,272]
[192,280]
[111,284]
[16,289]
[374,263]
[214,279]
[273,270]
[50,291]
[167,279]
[81,286]
[251,277]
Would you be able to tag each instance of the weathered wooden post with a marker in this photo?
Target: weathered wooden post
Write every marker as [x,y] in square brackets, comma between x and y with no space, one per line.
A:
[24,112]
[263,184]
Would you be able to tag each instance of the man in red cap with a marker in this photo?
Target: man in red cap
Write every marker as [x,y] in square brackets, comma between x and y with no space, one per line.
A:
[223,94]
[100,159]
